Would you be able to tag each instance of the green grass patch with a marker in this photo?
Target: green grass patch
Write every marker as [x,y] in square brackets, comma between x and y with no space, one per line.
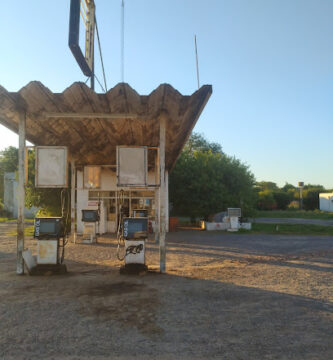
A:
[301,214]
[6,219]
[28,231]
[14,220]
[290,229]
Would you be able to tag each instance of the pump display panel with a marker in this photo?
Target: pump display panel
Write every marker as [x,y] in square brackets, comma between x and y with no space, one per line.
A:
[49,227]
[140,213]
[90,215]
[135,228]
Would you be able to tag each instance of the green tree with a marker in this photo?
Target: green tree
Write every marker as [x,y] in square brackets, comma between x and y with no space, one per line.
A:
[311,196]
[8,163]
[288,188]
[282,199]
[267,185]
[197,142]
[266,200]
[206,181]
[49,200]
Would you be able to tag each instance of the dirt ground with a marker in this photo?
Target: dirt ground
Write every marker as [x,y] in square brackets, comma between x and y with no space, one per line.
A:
[225,296]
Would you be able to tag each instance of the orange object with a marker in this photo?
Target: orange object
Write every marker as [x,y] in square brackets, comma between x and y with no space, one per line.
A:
[173,223]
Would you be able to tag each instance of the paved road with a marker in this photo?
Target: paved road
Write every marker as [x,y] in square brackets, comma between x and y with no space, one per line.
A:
[259,244]
[293,221]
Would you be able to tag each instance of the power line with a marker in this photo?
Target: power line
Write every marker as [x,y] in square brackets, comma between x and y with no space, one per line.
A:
[100,54]
[100,84]
[122,40]
[196,59]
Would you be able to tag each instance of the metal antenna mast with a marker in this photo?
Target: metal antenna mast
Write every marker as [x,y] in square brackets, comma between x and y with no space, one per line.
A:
[122,38]
[196,59]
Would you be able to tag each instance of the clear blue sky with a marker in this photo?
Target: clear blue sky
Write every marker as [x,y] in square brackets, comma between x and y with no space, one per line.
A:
[270,64]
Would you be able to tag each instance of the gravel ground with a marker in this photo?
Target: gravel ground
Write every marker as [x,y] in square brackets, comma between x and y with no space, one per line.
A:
[225,296]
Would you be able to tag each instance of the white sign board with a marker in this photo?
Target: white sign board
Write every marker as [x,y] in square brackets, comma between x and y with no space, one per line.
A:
[132,166]
[51,167]
[234,212]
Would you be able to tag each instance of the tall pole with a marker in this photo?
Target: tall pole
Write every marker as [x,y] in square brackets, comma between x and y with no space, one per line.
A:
[166,201]
[92,79]
[92,44]
[162,201]
[157,196]
[73,202]
[196,60]
[20,195]
[122,40]
[90,40]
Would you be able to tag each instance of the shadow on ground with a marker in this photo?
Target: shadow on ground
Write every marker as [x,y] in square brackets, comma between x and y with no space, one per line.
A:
[94,312]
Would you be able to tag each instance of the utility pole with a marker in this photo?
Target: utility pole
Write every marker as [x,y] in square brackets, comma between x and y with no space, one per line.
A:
[196,59]
[122,40]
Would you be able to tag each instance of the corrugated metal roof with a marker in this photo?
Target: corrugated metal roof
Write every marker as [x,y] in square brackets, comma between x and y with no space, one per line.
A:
[68,118]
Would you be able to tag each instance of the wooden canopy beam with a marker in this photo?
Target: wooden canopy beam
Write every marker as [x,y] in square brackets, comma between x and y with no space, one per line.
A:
[75,115]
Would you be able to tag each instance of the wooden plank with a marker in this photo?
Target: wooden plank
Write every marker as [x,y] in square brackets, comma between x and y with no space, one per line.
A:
[80,116]
[20,196]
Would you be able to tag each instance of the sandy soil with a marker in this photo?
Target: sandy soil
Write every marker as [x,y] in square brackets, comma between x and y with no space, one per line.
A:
[224,296]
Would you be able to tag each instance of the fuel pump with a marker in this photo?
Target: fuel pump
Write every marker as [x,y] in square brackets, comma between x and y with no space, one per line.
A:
[51,235]
[132,235]
[90,219]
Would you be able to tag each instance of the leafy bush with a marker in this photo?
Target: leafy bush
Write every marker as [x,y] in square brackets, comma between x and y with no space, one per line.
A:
[266,200]
[282,199]
[205,181]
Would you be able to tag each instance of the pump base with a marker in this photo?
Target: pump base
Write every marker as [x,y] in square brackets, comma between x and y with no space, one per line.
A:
[57,269]
[133,269]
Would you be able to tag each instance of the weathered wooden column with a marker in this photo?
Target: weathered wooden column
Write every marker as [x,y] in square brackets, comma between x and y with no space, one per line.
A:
[157,213]
[20,194]
[162,194]
[157,196]
[166,201]
[73,203]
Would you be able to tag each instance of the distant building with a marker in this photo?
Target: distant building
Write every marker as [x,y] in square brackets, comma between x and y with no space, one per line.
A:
[10,199]
[326,202]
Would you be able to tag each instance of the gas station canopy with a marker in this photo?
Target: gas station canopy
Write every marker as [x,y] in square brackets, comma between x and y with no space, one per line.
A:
[93,124]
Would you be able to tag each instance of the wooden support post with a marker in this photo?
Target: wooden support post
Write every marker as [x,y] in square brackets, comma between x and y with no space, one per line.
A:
[162,195]
[166,201]
[157,215]
[157,196]
[73,202]
[20,195]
